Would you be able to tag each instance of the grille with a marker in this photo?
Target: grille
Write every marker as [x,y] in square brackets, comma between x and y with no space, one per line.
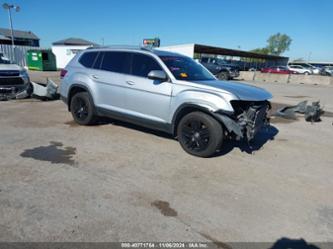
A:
[9,73]
[240,105]
[6,90]
[11,81]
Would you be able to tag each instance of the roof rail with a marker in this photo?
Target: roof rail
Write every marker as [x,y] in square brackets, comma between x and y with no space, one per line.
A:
[123,47]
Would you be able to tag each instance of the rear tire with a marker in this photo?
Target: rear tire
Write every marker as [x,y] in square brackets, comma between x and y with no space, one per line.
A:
[82,109]
[199,134]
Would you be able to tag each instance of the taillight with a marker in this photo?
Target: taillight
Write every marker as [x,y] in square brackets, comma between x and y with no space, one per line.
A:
[63,73]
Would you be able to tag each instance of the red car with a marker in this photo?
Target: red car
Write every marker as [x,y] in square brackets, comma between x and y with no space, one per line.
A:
[279,70]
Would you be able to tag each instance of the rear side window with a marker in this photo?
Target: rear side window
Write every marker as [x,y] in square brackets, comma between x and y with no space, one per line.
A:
[118,62]
[88,59]
[98,61]
[143,64]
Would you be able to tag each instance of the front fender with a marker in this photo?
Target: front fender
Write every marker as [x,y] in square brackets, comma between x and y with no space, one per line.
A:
[208,100]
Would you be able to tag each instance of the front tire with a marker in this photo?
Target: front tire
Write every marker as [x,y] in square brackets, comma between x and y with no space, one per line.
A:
[82,109]
[199,134]
[223,76]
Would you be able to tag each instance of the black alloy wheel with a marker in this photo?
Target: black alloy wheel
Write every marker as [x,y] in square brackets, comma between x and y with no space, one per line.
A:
[82,109]
[199,134]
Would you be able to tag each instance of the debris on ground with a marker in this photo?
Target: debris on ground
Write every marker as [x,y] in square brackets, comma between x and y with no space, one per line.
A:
[48,92]
[35,90]
[311,112]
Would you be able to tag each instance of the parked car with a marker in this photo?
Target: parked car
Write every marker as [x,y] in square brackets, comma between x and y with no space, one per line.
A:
[278,70]
[328,70]
[163,91]
[315,70]
[300,69]
[14,80]
[220,68]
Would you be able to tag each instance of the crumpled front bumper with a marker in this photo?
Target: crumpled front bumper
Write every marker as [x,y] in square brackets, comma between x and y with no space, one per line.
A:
[15,92]
[248,122]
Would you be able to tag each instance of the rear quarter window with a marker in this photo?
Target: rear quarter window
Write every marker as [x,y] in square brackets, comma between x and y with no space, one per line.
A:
[118,62]
[88,59]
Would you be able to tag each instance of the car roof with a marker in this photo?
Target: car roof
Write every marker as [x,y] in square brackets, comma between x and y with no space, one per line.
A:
[158,52]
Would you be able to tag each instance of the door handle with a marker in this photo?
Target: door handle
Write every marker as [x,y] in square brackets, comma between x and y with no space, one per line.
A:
[129,82]
[94,76]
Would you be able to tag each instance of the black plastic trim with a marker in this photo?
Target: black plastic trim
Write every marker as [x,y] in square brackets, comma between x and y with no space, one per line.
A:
[181,108]
[79,86]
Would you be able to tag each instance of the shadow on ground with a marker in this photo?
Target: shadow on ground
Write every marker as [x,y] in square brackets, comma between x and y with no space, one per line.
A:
[259,141]
[286,243]
[261,138]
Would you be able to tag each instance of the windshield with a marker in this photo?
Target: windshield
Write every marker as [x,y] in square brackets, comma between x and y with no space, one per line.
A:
[184,68]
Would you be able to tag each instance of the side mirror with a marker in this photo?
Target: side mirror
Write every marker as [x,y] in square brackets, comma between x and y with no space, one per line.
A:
[157,75]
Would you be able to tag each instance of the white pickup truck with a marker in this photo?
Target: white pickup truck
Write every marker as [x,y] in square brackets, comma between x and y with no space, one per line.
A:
[14,80]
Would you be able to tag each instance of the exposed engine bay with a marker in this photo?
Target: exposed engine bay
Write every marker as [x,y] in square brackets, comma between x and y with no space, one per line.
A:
[248,118]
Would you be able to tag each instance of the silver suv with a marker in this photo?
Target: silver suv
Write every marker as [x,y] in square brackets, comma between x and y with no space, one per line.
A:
[163,91]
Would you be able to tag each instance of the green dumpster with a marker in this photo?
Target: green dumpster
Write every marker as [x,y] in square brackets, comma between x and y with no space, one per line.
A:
[41,60]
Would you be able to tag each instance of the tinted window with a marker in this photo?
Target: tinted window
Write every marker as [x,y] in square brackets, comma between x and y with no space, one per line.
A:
[143,64]
[118,62]
[98,61]
[184,68]
[87,59]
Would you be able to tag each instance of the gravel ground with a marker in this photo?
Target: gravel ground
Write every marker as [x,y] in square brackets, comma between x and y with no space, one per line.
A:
[118,182]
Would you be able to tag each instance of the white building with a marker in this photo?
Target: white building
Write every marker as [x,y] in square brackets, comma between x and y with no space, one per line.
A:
[184,49]
[65,50]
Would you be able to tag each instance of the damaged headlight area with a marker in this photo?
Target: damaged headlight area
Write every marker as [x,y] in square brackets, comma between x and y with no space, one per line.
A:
[247,119]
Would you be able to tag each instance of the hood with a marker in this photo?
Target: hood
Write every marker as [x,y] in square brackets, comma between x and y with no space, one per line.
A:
[242,91]
[10,67]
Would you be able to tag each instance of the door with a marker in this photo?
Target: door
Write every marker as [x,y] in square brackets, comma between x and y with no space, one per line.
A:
[110,77]
[146,98]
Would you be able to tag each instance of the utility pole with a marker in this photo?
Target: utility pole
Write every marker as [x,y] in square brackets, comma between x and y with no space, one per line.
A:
[8,7]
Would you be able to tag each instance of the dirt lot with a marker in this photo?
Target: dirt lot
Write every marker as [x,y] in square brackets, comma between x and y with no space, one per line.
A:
[118,182]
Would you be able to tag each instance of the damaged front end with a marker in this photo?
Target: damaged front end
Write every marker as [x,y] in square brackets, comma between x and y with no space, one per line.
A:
[247,119]
[10,92]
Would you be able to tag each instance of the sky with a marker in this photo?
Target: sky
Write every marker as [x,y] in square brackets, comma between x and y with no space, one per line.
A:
[236,24]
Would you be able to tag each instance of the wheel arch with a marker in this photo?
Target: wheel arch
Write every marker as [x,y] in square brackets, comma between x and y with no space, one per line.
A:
[185,109]
[76,88]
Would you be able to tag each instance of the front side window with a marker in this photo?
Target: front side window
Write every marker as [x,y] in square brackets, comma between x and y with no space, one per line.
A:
[143,64]
[118,62]
[88,59]
[184,68]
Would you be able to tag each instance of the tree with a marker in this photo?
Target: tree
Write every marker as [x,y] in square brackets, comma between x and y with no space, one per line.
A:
[260,51]
[278,43]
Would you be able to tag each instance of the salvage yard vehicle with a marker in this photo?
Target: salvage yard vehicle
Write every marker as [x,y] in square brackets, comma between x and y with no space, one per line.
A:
[328,71]
[300,69]
[220,68]
[278,70]
[14,80]
[314,69]
[163,91]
